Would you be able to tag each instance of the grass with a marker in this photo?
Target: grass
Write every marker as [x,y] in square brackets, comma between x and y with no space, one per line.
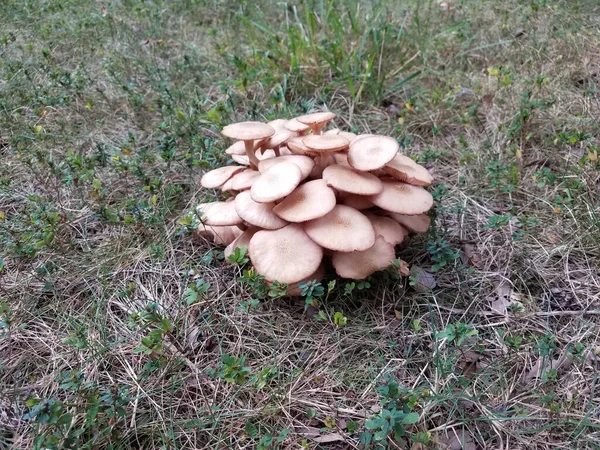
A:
[119,330]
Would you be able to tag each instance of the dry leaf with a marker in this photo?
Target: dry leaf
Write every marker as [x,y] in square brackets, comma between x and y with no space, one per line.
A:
[458,440]
[333,437]
[470,255]
[541,365]
[502,298]
[423,279]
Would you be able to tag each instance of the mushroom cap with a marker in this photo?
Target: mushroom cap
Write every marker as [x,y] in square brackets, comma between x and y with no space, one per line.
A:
[228,185]
[347,179]
[305,163]
[217,177]
[237,148]
[325,143]
[243,240]
[358,202]
[402,168]
[286,255]
[267,154]
[418,223]
[372,152]
[360,264]
[257,214]
[341,158]
[321,162]
[295,126]
[294,290]
[241,159]
[348,135]
[277,124]
[403,198]
[221,235]
[358,137]
[317,118]
[248,131]
[297,146]
[343,229]
[279,138]
[244,180]
[334,131]
[218,213]
[390,230]
[276,182]
[309,201]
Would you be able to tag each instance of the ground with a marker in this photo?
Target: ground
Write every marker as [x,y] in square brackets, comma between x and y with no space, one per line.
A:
[119,329]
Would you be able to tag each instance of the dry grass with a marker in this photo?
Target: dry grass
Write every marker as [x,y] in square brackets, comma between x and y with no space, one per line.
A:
[133,95]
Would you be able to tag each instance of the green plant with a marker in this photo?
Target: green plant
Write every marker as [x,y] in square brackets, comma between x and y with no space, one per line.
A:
[457,333]
[441,253]
[196,292]
[233,369]
[239,256]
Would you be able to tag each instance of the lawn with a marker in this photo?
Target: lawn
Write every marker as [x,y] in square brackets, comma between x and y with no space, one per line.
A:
[120,328]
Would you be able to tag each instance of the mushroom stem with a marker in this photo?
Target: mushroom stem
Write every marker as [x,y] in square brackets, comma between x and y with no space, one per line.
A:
[242,226]
[276,150]
[251,155]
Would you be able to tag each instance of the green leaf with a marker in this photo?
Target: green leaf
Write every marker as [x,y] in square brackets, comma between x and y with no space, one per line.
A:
[411,419]
[376,422]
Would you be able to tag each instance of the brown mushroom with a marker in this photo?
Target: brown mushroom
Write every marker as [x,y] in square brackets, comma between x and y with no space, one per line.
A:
[402,168]
[372,152]
[343,229]
[258,214]
[218,213]
[305,163]
[316,121]
[403,198]
[358,265]
[217,177]
[276,182]
[249,132]
[418,223]
[286,255]
[309,201]
[347,179]
[296,127]
[390,230]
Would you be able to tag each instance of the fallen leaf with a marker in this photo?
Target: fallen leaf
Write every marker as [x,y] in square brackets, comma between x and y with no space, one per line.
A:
[541,365]
[423,279]
[470,255]
[457,440]
[333,437]
[502,298]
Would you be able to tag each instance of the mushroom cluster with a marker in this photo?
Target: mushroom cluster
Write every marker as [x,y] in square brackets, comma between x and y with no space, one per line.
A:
[300,194]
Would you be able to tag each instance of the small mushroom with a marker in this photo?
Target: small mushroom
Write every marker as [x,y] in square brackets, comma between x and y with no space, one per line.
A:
[286,255]
[249,132]
[244,180]
[296,127]
[217,177]
[276,182]
[220,235]
[347,179]
[402,168]
[258,214]
[325,143]
[358,202]
[243,240]
[358,265]
[278,139]
[372,152]
[218,213]
[403,198]
[390,230]
[309,201]
[237,148]
[316,121]
[418,223]
[305,163]
[343,229]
